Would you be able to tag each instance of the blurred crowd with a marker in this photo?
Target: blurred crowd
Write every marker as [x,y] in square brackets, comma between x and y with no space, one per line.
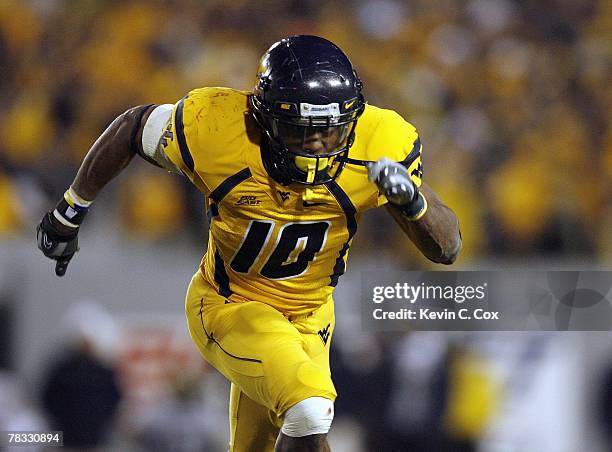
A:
[512,99]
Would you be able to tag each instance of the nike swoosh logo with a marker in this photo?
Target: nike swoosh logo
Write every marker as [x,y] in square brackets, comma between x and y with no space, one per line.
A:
[312,204]
[46,243]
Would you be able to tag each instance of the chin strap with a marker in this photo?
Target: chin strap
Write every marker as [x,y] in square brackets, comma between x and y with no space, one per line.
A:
[357,162]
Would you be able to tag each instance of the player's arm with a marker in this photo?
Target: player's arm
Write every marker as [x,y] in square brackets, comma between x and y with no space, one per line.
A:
[436,233]
[432,226]
[109,155]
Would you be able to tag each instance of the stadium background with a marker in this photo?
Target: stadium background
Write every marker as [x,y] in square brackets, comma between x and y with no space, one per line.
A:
[512,99]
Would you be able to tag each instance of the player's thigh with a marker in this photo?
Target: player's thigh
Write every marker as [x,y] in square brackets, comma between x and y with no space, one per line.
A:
[253,427]
[317,330]
[257,348]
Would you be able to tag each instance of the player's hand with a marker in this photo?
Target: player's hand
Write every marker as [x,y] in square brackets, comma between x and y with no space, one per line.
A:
[393,181]
[57,242]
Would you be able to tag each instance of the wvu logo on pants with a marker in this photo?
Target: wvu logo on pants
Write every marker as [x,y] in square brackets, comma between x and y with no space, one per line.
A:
[324,334]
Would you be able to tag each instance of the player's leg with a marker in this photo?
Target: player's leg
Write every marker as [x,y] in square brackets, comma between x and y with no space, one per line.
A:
[305,426]
[313,443]
[257,348]
[251,426]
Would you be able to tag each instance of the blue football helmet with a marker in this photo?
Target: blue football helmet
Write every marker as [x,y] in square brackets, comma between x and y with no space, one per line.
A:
[307,99]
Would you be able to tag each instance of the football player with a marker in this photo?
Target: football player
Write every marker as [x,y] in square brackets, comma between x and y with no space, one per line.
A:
[283,198]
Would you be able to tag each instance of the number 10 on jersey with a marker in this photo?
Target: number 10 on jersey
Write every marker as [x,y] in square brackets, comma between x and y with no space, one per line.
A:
[297,245]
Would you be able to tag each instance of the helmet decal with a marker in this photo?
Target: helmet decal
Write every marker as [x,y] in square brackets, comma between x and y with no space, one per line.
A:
[332,110]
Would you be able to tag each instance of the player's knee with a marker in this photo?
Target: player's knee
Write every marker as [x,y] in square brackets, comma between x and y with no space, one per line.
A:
[311,416]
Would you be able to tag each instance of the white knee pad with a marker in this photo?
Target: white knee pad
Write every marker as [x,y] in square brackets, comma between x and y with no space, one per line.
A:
[311,416]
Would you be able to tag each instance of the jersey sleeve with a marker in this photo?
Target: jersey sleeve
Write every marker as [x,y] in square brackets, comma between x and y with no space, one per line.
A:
[152,134]
[398,140]
[175,146]
[206,136]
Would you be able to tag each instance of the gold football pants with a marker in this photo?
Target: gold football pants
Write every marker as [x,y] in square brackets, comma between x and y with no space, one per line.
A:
[272,360]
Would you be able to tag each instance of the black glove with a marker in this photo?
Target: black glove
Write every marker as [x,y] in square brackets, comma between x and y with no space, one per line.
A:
[56,244]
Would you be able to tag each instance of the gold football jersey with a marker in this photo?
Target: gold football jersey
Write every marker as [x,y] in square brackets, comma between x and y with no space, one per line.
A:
[281,245]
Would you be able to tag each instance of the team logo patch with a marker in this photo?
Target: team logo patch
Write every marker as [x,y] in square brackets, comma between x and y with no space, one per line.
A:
[248,200]
[166,136]
[418,171]
[324,334]
[284,195]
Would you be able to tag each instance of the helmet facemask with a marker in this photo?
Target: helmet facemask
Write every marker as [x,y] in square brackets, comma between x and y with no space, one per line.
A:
[307,150]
